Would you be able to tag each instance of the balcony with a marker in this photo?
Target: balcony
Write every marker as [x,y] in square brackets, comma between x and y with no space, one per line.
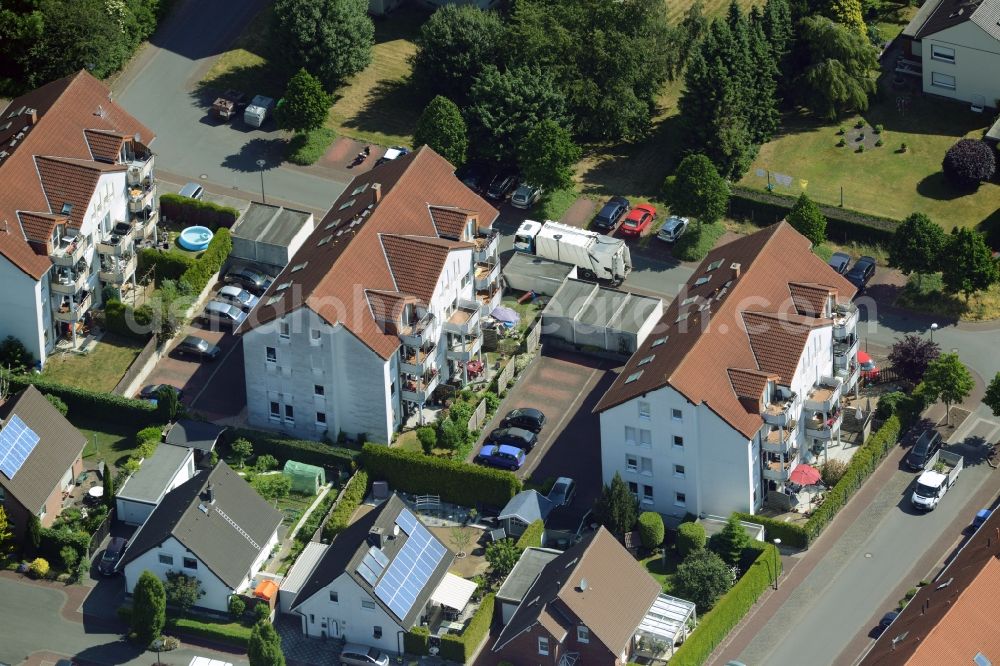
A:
[418,389]
[489,299]
[141,197]
[140,169]
[144,222]
[415,361]
[780,440]
[777,470]
[74,310]
[465,350]
[487,274]
[119,241]
[465,319]
[849,374]
[845,321]
[487,247]
[117,271]
[778,413]
[69,282]
[69,251]
[824,428]
[846,348]
[824,396]
[419,332]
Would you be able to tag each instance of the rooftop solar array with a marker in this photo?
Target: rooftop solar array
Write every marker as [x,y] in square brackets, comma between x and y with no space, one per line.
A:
[17,441]
[372,566]
[412,567]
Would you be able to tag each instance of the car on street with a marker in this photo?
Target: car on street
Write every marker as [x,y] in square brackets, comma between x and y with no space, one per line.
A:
[862,272]
[197,347]
[839,261]
[673,228]
[524,417]
[611,214]
[362,655]
[473,175]
[563,491]
[928,442]
[501,184]
[525,196]
[638,220]
[869,368]
[981,517]
[519,437]
[501,455]
[238,296]
[250,279]
[884,623]
[112,554]
[192,191]
[151,391]
[224,314]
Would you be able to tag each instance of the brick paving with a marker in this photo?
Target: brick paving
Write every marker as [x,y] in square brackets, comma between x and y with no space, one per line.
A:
[579,213]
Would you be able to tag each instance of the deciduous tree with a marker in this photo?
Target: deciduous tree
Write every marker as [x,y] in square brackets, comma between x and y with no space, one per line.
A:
[305,105]
[442,127]
[948,380]
[182,591]
[848,13]
[808,219]
[149,608]
[991,399]
[547,156]
[14,356]
[616,508]
[702,577]
[917,245]
[970,266]
[242,449]
[968,163]
[502,555]
[690,537]
[331,39]
[911,355]
[838,74]
[696,189]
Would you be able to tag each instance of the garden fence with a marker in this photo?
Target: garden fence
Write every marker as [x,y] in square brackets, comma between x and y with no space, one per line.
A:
[478,416]
[505,376]
[533,336]
[102,531]
[137,366]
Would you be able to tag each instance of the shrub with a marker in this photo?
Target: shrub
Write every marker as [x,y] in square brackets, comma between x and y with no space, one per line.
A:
[272,486]
[879,129]
[309,527]
[832,472]
[842,130]
[69,557]
[702,577]
[859,124]
[226,632]
[457,482]
[166,264]
[306,147]
[790,535]
[415,641]
[149,434]
[902,147]
[427,437]
[841,143]
[532,536]
[651,530]
[209,263]
[104,406]
[861,148]
[39,567]
[492,402]
[460,648]
[690,537]
[186,211]
[125,321]
[353,495]
[261,612]
[58,403]
[51,541]
[306,451]
[879,143]
[265,463]
[731,541]
[14,355]
[237,606]
[968,163]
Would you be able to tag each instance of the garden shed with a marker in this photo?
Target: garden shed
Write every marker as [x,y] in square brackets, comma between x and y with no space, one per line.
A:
[306,479]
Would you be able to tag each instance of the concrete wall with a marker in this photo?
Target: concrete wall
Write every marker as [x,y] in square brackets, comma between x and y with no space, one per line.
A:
[346,618]
[977,59]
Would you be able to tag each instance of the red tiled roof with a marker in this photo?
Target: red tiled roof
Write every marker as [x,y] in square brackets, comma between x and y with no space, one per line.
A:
[104,145]
[749,384]
[450,221]
[64,109]
[809,298]
[347,259]
[38,226]
[71,181]
[387,306]
[416,262]
[749,276]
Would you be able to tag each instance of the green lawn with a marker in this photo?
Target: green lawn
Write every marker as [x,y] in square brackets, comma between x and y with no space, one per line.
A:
[663,568]
[528,310]
[106,440]
[926,294]
[295,505]
[553,205]
[99,369]
[307,147]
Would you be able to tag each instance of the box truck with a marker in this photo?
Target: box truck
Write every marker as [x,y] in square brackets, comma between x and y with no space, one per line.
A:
[596,256]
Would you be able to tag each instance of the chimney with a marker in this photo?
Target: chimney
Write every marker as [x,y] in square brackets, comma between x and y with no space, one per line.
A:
[735,268]
[33,116]
[376,193]
[376,537]
[210,493]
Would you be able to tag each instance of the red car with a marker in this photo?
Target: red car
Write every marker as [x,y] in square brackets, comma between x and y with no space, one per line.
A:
[638,220]
[869,368]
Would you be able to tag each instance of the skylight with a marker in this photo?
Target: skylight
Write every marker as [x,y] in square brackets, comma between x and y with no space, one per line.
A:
[67,208]
[682,316]
[689,300]
[325,240]
[359,189]
[274,299]
[659,341]
[347,204]
[648,359]
[299,267]
[634,376]
[283,286]
[715,264]
[332,224]
[702,280]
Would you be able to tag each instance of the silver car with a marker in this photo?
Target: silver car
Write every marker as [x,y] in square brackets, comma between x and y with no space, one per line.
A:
[362,655]
[673,228]
[237,296]
[525,196]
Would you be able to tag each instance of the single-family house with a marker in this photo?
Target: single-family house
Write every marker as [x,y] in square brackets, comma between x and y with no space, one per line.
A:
[740,382]
[213,527]
[167,468]
[41,455]
[380,306]
[521,578]
[78,192]
[523,509]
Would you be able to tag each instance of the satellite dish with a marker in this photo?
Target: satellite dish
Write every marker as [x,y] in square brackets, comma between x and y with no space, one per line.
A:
[433,650]
[583,584]
[137,137]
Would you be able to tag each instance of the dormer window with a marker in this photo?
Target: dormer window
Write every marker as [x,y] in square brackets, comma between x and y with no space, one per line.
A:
[67,208]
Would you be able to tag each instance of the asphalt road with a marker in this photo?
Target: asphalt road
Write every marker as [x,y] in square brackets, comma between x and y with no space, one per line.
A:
[857,579]
[160,89]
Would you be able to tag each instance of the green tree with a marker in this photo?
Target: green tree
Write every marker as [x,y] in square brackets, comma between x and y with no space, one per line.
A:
[616,508]
[264,647]
[58,403]
[167,404]
[182,591]
[149,608]
[5,532]
[731,541]
[690,537]
[505,105]
[702,577]
[442,127]
[265,463]
[838,74]
[305,105]
[917,246]
[948,380]
[242,449]
[237,606]
[651,530]
[454,46]
[808,219]
[697,189]
[848,13]
[502,555]
[991,399]
[911,355]
[33,537]
[547,156]
[764,75]
[272,486]
[427,436]
[69,556]
[970,266]
[331,39]
[14,356]
[109,487]
[21,24]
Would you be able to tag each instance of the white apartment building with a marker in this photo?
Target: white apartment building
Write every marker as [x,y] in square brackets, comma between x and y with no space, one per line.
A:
[380,306]
[78,191]
[738,384]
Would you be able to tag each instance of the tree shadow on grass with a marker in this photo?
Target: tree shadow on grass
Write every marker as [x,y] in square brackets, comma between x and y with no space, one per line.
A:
[991,227]
[388,109]
[935,186]
[637,168]
[259,79]
[272,151]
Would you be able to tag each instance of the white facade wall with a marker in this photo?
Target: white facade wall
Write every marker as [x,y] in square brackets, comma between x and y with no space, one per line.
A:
[216,592]
[347,618]
[24,316]
[975,66]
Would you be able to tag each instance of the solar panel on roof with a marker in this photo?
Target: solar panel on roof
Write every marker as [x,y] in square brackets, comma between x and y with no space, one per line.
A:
[406,521]
[17,441]
[412,567]
[373,564]
[367,574]
[379,556]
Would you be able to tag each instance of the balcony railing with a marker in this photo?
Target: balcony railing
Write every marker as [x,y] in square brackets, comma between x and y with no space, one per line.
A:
[825,395]
[780,440]
[847,347]
[119,272]
[69,251]
[778,471]
[140,169]
[73,311]
[68,283]
[117,244]
[487,247]
[850,374]
[465,350]
[418,389]
[141,197]
[419,332]
[778,413]
[417,361]
[827,428]
[465,319]
[489,299]
[487,274]
[845,320]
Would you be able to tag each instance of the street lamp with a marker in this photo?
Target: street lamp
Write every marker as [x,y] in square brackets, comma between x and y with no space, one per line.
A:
[777,561]
[158,645]
[933,328]
[558,238]
[260,165]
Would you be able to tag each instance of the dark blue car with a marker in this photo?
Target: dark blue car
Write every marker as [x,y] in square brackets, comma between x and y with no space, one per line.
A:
[501,455]
[611,214]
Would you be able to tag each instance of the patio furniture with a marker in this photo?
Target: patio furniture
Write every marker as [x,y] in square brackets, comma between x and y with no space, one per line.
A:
[83,477]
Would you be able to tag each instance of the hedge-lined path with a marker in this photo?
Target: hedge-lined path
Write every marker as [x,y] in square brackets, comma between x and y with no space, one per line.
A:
[286,544]
[876,548]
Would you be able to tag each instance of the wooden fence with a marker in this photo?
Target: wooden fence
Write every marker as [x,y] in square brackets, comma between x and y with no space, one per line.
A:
[533,336]
[478,416]
[505,376]
[103,530]
[137,365]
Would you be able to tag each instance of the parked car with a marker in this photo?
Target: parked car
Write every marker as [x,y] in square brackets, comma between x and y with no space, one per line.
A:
[673,228]
[525,196]
[869,368]
[392,153]
[519,437]
[884,623]
[501,455]
[250,279]
[563,491]
[238,296]
[197,347]
[928,442]
[839,261]
[112,554]
[192,191]
[150,392]
[224,314]
[862,272]
[981,517]
[611,214]
[501,184]
[638,220]
[473,175]
[362,655]
[524,417]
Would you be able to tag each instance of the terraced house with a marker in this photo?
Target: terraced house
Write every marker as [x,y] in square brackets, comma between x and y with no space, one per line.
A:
[78,191]
[740,382]
[379,307]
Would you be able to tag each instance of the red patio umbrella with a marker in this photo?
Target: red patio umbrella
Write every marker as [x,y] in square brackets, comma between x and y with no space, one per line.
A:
[805,475]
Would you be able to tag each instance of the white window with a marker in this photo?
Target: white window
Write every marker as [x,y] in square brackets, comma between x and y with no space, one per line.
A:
[676,415]
[645,413]
[289,414]
[646,439]
[167,559]
[543,646]
[275,410]
[284,330]
[631,463]
[583,634]
[646,466]
[333,596]
[630,436]
[679,471]
[647,494]
[680,499]
[678,442]
[319,390]
[942,53]
[942,80]
[368,605]
[272,354]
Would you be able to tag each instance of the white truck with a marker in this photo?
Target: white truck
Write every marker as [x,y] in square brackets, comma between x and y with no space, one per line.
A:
[942,470]
[258,110]
[597,257]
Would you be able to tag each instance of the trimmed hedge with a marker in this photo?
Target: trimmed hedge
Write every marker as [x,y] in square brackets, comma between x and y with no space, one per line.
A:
[210,262]
[532,536]
[105,406]
[790,535]
[415,641]
[54,540]
[226,632]
[312,523]
[765,208]
[169,264]
[301,450]
[354,495]
[459,648]
[716,624]
[457,482]
[186,212]
[126,321]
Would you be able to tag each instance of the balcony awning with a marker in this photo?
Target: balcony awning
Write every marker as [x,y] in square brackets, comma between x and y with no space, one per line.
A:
[453,592]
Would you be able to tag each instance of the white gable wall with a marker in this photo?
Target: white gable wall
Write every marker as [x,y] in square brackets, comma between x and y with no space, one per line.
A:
[216,592]
[21,302]
[347,618]
[977,61]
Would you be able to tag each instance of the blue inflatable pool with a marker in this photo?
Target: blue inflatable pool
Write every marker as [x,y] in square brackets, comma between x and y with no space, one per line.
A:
[195,238]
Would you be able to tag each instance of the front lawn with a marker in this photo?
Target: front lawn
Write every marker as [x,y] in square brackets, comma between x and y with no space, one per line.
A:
[698,241]
[926,294]
[553,205]
[99,369]
[663,567]
[306,147]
